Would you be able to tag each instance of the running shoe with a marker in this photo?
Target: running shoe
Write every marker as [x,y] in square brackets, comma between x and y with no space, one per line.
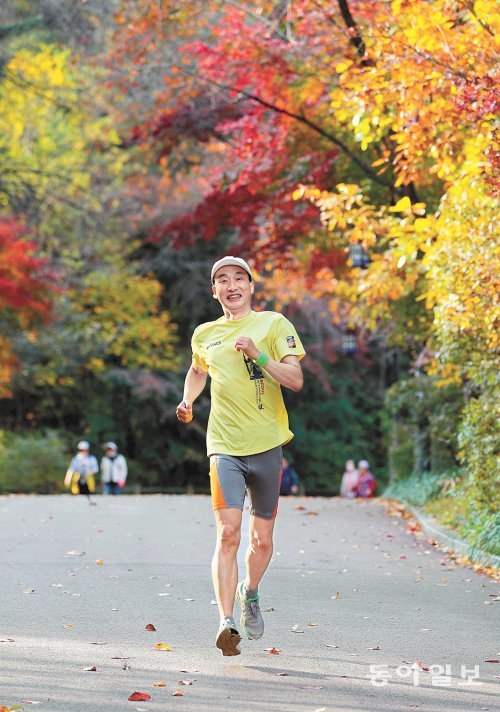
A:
[228,638]
[251,620]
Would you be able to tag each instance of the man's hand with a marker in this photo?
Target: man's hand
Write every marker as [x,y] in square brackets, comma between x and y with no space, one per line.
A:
[243,343]
[184,411]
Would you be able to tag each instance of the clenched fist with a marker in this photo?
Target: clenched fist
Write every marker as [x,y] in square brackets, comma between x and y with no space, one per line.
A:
[184,411]
[243,343]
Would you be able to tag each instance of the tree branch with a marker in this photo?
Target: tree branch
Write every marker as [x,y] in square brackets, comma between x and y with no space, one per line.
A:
[365,167]
[354,35]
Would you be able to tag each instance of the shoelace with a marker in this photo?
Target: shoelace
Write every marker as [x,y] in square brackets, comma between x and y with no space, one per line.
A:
[254,607]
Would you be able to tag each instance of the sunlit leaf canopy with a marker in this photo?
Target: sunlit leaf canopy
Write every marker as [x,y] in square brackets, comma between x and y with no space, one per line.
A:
[370,111]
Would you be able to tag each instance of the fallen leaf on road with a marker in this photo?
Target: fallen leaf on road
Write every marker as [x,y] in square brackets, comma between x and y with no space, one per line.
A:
[272,651]
[69,625]
[189,599]
[7,640]
[312,625]
[282,674]
[312,513]
[118,657]
[493,660]
[190,671]
[337,594]
[98,644]
[295,629]
[184,682]
[178,693]
[29,590]
[75,553]
[159,684]
[150,626]
[162,646]
[403,556]
[331,646]
[90,669]
[374,647]
[299,508]
[139,697]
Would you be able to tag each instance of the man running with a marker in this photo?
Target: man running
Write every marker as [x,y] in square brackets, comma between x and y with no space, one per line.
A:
[249,356]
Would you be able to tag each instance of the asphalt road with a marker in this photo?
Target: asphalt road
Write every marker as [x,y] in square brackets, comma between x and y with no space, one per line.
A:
[349,587]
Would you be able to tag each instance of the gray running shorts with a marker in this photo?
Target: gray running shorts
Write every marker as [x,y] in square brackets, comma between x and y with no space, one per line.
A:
[258,475]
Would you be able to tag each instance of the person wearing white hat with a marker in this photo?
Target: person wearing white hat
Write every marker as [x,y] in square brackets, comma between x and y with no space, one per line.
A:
[113,469]
[249,356]
[366,483]
[80,476]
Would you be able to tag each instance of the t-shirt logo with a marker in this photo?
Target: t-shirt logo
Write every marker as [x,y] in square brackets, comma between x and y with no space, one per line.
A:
[291,342]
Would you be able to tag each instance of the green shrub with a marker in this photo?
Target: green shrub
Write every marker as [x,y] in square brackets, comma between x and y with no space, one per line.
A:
[419,489]
[483,534]
[479,447]
[33,463]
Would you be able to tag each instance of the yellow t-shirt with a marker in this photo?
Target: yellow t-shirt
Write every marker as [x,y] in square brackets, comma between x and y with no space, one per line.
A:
[248,415]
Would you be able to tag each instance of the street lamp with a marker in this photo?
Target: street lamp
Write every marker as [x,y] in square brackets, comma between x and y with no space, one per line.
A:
[349,342]
[358,255]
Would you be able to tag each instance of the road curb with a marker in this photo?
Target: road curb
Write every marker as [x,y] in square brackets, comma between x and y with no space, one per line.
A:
[444,536]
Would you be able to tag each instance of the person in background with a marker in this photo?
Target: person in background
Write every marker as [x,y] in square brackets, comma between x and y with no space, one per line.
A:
[113,470]
[350,478]
[80,476]
[367,483]
[289,479]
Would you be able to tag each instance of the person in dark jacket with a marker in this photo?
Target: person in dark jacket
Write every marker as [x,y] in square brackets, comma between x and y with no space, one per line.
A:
[289,479]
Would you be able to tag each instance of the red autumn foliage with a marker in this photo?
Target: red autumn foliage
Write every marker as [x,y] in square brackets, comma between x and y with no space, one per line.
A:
[24,278]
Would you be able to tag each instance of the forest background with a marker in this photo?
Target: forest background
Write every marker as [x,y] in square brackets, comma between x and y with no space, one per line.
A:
[346,148]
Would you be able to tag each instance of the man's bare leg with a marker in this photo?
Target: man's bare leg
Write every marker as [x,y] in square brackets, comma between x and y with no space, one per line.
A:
[224,562]
[225,577]
[260,550]
[258,556]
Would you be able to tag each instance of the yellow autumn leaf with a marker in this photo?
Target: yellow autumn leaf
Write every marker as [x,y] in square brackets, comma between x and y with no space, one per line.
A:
[402,206]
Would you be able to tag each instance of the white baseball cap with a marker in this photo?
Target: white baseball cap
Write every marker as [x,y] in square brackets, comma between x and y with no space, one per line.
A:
[229,260]
[83,445]
[111,446]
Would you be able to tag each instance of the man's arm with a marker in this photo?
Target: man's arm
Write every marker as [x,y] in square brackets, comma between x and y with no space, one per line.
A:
[193,386]
[287,372]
